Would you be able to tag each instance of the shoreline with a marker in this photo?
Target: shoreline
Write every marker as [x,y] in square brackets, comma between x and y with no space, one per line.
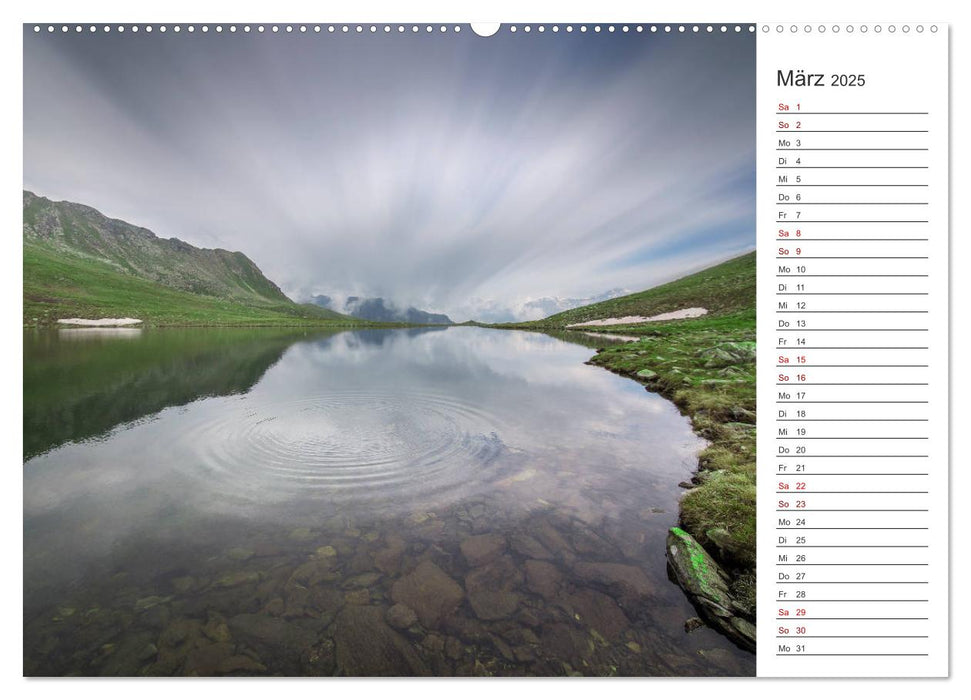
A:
[706,368]
[733,577]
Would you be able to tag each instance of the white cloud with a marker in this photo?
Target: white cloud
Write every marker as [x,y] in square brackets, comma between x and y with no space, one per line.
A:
[450,173]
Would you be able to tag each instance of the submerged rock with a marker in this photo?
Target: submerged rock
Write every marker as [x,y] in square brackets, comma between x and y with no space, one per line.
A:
[131,654]
[481,549]
[275,607]
[434,643]
[467,629]
[314,571]
[359,596]
[240,663]
[240,553]
[598,611]
[400,616]
[183,584]
[150,602]
[325,600]
[430,592]
[216,628]
[543,577]
[205,660]
[530,547]
[321,659]
[388,559]
[693,623]
[179,632]
[491,589]
[361,580]
[271,636]
[629,583]
[550,538]
[723,659]
[367,646]
[360,563]
[589,544]
[217,660]
[707,586]
[174,643]
[565,642]
[237,578]
[453,648]
[301,534]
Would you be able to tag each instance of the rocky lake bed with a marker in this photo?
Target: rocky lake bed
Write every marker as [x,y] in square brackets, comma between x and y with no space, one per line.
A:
[442,594]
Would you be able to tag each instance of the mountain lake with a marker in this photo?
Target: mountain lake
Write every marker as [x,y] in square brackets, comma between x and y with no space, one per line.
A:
[444,501]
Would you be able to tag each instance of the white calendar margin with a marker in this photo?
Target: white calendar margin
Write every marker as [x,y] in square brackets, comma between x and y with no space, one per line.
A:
[419,10]
[904,72]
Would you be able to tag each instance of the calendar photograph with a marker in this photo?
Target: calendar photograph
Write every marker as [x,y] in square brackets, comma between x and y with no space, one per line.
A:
[389,350]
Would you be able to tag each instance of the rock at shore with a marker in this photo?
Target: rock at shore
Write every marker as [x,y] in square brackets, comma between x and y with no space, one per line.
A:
[707,586]
[728,354]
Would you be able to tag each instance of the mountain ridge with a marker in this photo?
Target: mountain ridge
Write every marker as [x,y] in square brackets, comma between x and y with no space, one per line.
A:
[380,311]
[84,231]
[79,262]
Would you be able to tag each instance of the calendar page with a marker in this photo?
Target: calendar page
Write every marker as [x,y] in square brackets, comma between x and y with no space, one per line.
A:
[524,349]
[853,369]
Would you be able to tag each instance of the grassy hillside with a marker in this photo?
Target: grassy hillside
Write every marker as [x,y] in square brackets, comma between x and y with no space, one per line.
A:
[79,263]
[706,366]
[722,289]
[61,285]
[79,230]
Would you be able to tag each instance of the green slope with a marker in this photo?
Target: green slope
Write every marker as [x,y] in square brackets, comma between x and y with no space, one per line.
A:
[79,263]
[61,285]
[81,231]
[722,289]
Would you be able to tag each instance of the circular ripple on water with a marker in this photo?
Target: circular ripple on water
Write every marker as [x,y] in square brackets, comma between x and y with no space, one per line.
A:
[348,445]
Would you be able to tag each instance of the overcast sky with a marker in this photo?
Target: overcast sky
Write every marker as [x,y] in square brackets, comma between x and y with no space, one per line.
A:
[460,174]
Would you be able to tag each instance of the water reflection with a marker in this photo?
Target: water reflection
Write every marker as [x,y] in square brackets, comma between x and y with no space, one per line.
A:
[79,383]
[85,334]
[302,491]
